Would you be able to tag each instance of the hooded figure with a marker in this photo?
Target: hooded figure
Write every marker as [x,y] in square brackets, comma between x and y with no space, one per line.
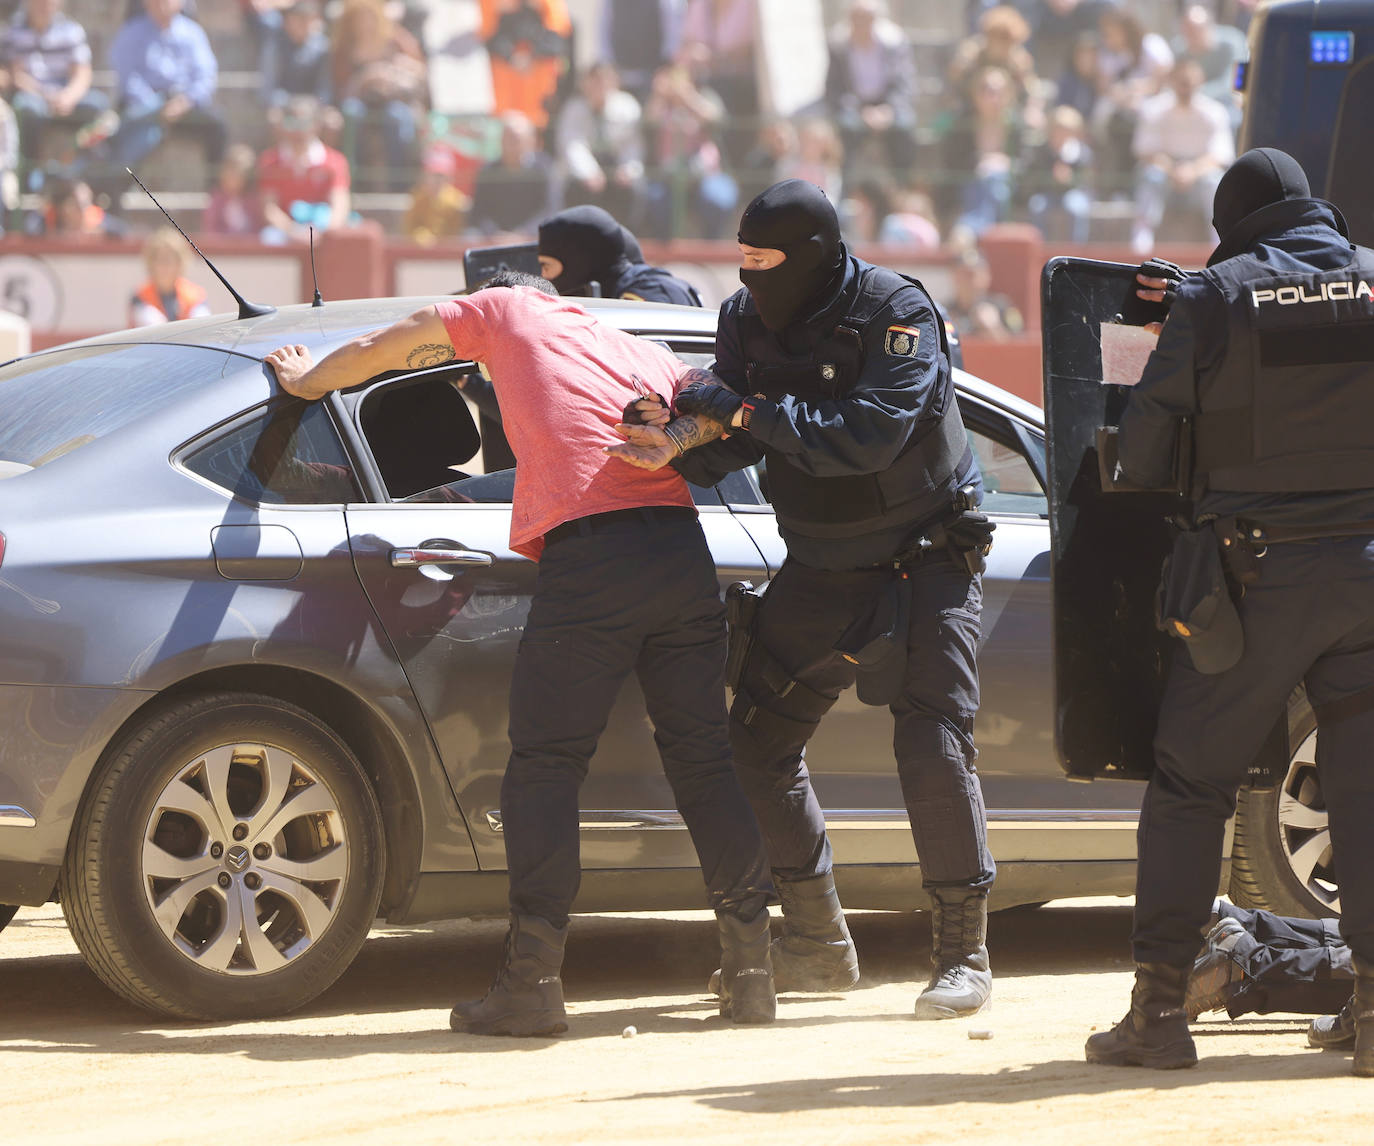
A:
[592,248]
[796,218]
[1261,176]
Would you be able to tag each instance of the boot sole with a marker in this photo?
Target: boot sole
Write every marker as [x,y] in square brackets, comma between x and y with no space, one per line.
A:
[540,1024]
[1166,1058]
[1337,1045]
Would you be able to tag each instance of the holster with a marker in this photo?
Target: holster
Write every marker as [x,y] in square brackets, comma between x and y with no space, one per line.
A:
[1195,602]
[741,614]
[877,643]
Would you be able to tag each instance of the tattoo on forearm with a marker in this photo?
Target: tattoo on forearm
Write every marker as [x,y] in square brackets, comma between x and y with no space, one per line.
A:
[430,354]
[690,431]
[698,374]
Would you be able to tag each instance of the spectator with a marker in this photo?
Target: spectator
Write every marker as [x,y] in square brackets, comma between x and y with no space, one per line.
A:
[1134,66]
[527,41]
[295,57]
[688,183]
[1217,50]
[50,66]
[263,19]
[819,158]
[1057,26]
[870,88]
[773,151]
[911,222]
[1056,179]
[69,209]
[516,191]
[9,163]
[167,76]
[437,208]
[1000,43]
[168,295]
[1183,143]
[638,37]
[981,148]
[720,39]
[973,308]
[1080,85]
[235,206]
[303,182]
[599,147]
[379,75]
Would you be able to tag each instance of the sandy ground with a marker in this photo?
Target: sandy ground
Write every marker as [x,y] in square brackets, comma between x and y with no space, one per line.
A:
[372,1060]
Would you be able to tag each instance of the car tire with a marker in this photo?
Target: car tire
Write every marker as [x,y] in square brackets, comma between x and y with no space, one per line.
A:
[1280,854]
[6,914]
[227,862]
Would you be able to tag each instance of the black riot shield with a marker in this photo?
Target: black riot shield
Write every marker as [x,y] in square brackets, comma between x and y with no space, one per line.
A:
[480,263]
[1107,548]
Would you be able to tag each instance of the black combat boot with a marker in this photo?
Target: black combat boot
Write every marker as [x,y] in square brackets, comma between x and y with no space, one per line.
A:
[1154,1032]
[961,983]
[526,997]
[1363,1001]
[815,951]
[746,971]
[1334,1032]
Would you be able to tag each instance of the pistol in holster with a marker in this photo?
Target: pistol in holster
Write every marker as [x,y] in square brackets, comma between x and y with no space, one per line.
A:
[741,615]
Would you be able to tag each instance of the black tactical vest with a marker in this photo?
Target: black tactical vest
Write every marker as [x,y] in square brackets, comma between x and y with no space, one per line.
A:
[1292,408]
[844,505]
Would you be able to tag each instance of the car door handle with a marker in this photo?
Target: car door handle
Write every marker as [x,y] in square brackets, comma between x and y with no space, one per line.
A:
[411,558]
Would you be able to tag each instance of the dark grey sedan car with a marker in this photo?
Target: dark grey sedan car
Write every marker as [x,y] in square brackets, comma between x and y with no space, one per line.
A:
[254,657]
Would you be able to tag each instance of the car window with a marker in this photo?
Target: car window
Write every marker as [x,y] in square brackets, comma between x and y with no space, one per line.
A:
[56,403]
[420,431]
[1009,482]
[289,454]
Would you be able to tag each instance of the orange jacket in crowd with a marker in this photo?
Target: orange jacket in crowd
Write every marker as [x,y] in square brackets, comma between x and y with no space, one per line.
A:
[146,305]
[526,90]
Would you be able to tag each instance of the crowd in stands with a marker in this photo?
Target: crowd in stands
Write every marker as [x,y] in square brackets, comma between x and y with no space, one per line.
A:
[1044,111]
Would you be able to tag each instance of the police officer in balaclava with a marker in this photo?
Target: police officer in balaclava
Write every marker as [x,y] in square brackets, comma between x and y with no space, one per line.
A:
[585,251]
[1265,372]
[835,373]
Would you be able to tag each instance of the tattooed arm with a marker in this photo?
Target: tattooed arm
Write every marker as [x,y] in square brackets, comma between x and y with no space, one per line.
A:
[411,344]
[653,447]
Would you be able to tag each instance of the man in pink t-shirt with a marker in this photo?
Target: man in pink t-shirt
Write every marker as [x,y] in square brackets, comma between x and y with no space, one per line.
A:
[626,582]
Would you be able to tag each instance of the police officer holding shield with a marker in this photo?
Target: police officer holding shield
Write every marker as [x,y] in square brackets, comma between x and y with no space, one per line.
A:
[835,373]
[1265,372]
[584,251]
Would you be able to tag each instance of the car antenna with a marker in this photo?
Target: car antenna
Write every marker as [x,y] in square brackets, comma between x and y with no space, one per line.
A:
[246,309]
[319,301]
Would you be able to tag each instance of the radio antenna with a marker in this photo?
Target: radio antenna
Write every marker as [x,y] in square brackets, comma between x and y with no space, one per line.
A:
[246,309]
[315,277]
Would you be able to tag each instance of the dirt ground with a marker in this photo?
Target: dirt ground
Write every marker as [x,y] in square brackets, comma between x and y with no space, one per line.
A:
[373,1060]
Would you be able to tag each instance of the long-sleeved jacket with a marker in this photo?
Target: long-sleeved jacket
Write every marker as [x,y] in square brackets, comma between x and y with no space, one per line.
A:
[153,64]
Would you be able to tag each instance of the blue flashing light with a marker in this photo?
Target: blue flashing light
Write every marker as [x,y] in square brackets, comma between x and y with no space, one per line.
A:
[1332,49]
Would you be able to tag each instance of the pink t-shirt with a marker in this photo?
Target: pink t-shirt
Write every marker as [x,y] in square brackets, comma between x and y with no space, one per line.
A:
[562,379]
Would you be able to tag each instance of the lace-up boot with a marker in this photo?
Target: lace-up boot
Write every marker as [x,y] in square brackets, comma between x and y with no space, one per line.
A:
[526,997]
[961,983]
[1154,1032]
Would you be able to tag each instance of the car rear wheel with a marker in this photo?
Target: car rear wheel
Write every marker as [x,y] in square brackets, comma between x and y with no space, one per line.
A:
[1281,857]
[227,862]
[6,914]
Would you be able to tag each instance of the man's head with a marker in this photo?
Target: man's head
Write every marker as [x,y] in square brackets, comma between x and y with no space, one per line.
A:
[69,200]
[791,223]
[300,121]
[599,82]
[300,20]
[510,278]
[863,14]
[162,12]
[1199,29]
[580,246]
[1259,178]
[40,13]
[1186,80]
[518,139]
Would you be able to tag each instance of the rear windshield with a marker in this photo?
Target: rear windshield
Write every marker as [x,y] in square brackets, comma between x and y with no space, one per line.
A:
[55,403]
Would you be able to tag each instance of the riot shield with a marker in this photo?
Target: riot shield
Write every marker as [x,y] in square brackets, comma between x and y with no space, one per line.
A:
[1107,549]
[480,263]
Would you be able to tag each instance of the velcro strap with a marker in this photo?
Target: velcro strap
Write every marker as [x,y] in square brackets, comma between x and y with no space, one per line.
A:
[1329,344]
[770,723]
[767,670]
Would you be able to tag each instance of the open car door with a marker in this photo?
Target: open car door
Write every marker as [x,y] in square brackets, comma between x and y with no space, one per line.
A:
[1106,549]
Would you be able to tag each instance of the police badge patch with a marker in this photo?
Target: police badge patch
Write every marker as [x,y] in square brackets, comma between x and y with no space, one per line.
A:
[902,341]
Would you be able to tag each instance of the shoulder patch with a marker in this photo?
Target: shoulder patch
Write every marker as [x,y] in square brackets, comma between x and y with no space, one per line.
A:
[901,341]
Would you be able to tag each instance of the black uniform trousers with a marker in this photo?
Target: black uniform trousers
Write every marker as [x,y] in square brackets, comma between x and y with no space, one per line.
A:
[1298,965]
[1310,618]
[637,594]
[802,616]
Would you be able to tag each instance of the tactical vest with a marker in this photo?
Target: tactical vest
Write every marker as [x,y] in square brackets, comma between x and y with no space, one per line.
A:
[1292,408]
[842,506]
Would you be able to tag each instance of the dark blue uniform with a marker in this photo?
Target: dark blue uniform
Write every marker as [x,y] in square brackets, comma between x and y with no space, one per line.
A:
[864,449]
[1271,352]
[652,284]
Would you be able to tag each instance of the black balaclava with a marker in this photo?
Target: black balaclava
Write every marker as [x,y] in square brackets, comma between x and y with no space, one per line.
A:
[1259,178]
[589,243]
[794,217]
[634,253]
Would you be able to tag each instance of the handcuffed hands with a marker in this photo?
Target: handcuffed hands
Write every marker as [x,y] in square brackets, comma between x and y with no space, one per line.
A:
[646,447]
[649,410]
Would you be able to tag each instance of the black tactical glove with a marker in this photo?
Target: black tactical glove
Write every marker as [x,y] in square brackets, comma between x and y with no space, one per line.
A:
[710,400]
[632,415]
[967,537]
[1157,268]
